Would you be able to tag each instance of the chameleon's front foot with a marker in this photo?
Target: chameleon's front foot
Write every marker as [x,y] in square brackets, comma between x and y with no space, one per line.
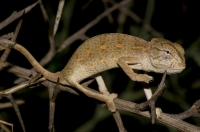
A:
[144,78]
[110,103]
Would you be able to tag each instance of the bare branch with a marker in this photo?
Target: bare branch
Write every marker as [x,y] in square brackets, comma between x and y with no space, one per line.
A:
[14,37]
[109,16]
[6,123]
[15,15]
[8,104]
[58,16]
[18,87]
[119,122]
[193,111]
[17,111]
[7,36]
[51,51]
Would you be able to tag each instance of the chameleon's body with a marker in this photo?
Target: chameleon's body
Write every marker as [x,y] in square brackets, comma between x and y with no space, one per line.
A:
[101,53]
[107,51]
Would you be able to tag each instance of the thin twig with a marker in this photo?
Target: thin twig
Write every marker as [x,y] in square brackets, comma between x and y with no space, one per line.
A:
[17,29]
[58,16]
[7,36]
[52,95]
[17,111]
[8,50]
[19,87]
[8,104]
[51,53]
[51,106]
[4,128]
[193,111]
[15,15]
[109,16]
[119,122]
[6,123]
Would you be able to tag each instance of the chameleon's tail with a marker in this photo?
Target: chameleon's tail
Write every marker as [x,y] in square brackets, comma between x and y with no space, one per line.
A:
[48,75]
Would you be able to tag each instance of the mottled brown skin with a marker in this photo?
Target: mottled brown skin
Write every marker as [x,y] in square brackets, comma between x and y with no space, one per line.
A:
[101,53]
[107,51]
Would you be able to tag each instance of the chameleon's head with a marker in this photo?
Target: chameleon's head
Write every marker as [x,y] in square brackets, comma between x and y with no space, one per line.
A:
[165,55]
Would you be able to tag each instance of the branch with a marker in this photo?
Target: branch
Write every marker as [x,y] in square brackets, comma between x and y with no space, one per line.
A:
[17,111]
[4,127]
[14,37]
[8,104]
[58,16]
[51,51]
[15,15]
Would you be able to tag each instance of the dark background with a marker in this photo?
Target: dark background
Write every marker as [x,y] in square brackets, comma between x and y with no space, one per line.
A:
[178,21]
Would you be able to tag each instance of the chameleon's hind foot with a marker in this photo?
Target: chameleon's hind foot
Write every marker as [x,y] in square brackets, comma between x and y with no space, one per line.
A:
[110,103]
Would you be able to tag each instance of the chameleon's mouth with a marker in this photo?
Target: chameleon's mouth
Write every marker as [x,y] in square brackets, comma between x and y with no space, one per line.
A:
[176,68]
[174,71]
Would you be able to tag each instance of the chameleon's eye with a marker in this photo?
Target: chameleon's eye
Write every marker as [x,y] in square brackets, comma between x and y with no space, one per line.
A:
[166,55]
[167,51]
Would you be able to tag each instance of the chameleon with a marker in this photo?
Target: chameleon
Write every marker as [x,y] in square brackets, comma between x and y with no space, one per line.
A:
[114,50]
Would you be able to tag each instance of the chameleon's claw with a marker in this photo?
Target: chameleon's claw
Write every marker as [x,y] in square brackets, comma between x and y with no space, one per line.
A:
[144,78]
[110,103]
[148,79]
